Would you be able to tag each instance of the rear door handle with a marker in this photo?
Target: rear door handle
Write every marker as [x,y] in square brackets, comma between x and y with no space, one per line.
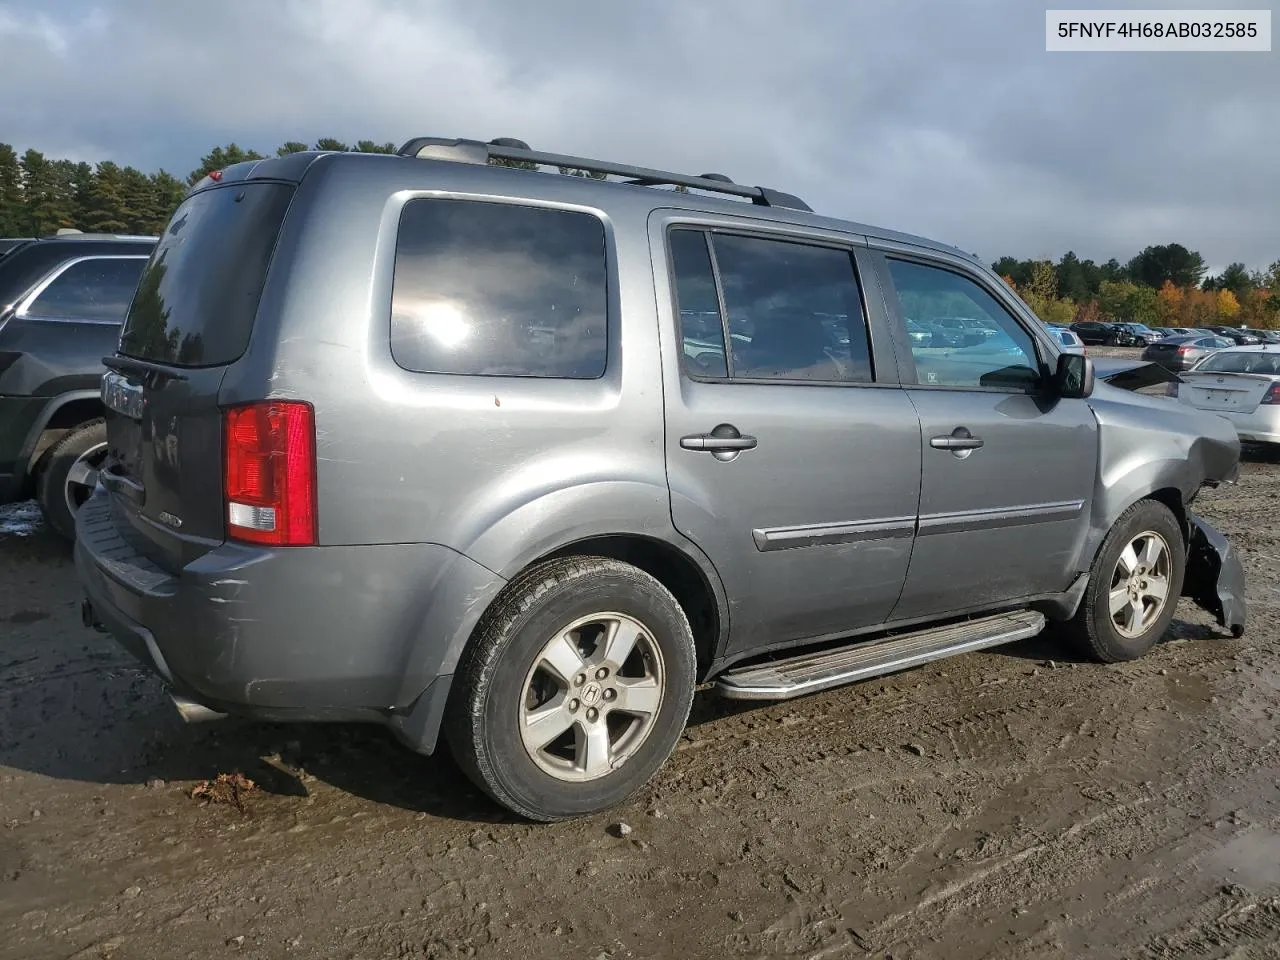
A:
[724,441]
[706,441]
[959,439]
[956,443]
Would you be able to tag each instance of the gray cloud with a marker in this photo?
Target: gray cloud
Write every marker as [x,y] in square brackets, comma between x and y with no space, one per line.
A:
[939,118]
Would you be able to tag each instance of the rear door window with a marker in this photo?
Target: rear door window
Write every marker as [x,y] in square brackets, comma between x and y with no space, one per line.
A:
[499,289]
[96,290]
[792,310]
[199,294]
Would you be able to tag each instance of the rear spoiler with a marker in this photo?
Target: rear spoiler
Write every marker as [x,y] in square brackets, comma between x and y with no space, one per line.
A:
[1132,375]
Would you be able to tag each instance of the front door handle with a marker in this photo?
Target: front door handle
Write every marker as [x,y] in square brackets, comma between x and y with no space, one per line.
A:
[724,442]
[959,441]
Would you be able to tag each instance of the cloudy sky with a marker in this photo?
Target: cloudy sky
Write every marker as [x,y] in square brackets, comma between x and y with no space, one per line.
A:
[932,116]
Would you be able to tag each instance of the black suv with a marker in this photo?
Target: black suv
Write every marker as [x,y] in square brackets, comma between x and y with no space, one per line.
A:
[62,300]
[1241,338]
[1097,333]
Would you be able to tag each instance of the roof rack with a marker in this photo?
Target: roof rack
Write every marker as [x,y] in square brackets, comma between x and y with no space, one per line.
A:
[508,148]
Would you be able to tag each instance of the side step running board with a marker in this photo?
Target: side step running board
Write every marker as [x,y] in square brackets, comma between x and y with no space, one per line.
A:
[811,672]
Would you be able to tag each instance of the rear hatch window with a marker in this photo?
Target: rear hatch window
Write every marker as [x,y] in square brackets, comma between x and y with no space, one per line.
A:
[199,292]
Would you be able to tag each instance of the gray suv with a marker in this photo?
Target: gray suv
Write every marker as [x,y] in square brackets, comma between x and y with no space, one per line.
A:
[447,443]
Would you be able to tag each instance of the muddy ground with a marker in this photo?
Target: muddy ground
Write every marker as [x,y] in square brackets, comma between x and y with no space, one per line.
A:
[1012,803]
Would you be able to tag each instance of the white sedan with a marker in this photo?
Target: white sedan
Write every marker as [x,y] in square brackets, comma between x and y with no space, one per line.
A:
[1241,384]
[1070,342]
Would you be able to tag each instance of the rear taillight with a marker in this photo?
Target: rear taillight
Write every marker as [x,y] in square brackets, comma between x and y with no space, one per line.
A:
[1183,351]
[269,474]
[1272,396]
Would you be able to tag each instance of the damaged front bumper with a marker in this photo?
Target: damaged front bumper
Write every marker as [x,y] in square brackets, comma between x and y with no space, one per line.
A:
[1215,577]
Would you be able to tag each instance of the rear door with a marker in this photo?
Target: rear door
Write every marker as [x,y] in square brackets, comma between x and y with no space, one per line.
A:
[1007,473]
[793,458]
[190,319]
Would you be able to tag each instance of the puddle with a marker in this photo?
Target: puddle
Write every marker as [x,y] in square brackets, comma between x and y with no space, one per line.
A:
[20,519]
[1251,859]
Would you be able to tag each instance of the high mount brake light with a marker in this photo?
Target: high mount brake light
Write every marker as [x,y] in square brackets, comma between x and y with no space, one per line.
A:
[269,475]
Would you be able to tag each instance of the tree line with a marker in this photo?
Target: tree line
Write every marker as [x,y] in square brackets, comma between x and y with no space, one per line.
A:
[1165,285]
[38,195]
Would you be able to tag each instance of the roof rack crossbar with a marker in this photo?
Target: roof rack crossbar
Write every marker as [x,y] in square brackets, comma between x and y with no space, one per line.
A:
[475,151]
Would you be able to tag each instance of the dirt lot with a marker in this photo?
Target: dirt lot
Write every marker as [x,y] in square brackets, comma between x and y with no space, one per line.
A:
[1012,803]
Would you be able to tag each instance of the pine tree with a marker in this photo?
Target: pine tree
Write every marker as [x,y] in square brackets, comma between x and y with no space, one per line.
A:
[221,157]
[12,212]
[107,212]
[82,195]
[167,192]
[40,190]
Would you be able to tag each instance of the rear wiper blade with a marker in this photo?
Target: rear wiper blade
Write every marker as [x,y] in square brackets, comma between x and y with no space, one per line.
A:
[134,365]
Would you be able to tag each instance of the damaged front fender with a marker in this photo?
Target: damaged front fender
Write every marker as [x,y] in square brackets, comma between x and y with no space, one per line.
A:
[1215,577]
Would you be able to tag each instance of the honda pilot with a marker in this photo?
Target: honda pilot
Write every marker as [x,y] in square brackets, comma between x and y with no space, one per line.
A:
[454,443]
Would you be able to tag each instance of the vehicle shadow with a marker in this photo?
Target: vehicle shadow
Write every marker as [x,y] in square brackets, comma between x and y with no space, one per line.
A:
[1053,643]
[1260,452]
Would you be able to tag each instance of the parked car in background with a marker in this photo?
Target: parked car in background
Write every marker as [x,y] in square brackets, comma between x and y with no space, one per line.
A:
[1068,338]
[1267,336]
[1241,384]
[586,526]
[1179,353]
[1097,333]
[1241,338]
[62,300]
[1143,336]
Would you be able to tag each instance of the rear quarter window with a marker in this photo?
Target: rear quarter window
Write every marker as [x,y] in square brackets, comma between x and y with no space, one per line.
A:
[96,290]
[498,289]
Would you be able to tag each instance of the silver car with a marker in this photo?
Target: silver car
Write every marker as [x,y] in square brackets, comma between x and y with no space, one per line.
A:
[1070,340]
[1241,384]
[521,460]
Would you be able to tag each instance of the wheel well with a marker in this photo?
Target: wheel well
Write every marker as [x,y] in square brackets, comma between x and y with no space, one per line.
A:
[673,570]
[74,413]
[67,417]
[1172,498]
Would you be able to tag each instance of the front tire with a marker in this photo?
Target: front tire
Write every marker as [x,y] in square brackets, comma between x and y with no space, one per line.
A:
[69,475]
[575,689]
[1134,585]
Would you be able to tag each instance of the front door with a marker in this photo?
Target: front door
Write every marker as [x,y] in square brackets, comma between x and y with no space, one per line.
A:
[1007,472]
[791,462]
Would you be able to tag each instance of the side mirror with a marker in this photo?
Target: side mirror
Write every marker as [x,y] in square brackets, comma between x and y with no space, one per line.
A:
[1073,380]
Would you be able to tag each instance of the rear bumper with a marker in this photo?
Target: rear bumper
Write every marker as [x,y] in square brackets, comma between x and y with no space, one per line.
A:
[324,633]
[1258,427]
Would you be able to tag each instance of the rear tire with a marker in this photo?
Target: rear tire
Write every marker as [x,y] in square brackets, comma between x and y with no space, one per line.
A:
[69,475]
[574,690]
[1134,585]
